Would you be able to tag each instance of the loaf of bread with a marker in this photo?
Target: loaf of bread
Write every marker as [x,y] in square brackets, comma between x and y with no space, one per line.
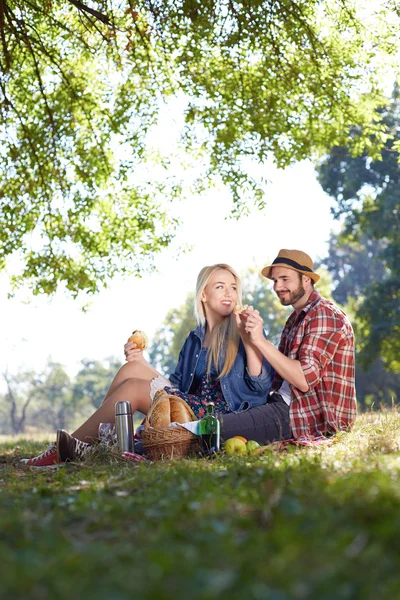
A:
[139,338]
[179,411]
[160,394]
[161,413]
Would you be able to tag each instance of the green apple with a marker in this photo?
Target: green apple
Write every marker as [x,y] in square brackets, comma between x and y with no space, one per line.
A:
[234,447]
[252,445]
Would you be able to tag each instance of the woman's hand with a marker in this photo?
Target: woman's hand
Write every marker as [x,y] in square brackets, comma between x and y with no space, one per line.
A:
[240,322]
[241,319]
[132,352]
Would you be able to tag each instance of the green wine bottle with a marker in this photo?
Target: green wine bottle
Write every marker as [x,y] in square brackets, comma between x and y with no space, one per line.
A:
[210,431]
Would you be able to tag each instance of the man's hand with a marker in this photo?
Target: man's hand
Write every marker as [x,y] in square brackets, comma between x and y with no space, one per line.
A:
[254,326]
[253,354]
[132,353]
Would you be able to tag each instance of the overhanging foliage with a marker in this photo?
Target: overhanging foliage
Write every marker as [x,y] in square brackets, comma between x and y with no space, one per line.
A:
[81,86]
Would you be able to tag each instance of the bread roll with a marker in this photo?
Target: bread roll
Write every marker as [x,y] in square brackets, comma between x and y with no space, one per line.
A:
[241,309]
[179,411]
[139,338]
[161,413]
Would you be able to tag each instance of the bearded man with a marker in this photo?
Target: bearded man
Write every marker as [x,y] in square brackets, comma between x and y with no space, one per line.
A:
[313,391]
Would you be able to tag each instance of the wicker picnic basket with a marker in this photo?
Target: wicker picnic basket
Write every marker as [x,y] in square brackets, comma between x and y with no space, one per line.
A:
[168,442]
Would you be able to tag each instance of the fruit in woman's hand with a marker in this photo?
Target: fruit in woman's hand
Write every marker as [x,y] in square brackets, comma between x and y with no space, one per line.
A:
[234,447]
[139,338]
[252,445]
[240,437]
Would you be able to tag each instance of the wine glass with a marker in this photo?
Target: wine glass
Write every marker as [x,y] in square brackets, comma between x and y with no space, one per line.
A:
[107,434]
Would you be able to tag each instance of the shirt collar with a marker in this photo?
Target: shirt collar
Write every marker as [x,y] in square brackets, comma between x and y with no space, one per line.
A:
[200,331]
[312,301]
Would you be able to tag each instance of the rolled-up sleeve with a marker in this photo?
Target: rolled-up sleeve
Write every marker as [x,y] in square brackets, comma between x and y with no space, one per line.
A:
[262,382]
[317,351]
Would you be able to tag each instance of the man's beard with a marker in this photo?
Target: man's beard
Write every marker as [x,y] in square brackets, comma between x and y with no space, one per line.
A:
[293,297]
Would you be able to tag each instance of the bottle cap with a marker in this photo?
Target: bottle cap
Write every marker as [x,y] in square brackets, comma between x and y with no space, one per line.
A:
[123,408]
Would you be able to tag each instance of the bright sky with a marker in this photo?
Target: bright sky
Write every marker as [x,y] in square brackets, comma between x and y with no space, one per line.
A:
[297,216]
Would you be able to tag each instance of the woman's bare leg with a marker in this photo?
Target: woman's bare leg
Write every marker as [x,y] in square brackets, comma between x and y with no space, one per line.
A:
[138,368]
[134,390]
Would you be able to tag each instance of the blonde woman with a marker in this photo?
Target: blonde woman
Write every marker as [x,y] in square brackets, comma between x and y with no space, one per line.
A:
[217,363]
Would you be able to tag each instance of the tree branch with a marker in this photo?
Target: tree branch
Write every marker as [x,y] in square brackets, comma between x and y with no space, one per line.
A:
[3,36]
[57,23]
[26,404]
[13,402]
[95,13]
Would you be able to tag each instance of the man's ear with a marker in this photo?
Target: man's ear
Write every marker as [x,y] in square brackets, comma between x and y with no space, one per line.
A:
[306,279]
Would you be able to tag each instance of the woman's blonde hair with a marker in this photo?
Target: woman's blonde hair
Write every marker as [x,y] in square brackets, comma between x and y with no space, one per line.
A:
[225,337]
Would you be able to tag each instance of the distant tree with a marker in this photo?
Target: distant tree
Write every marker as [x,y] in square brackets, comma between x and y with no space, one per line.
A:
[376,386]
[21,392]
[53,407]
[39,400]
[367,193]
[92,382]
[82,85]
[50,399]
[354,266]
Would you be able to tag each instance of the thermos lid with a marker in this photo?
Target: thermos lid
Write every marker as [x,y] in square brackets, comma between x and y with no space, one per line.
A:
[123,408]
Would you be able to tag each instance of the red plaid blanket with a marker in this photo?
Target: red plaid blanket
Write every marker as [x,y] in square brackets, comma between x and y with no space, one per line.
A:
[304,441]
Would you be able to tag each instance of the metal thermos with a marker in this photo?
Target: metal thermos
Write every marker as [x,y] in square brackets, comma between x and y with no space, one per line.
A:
[124,426]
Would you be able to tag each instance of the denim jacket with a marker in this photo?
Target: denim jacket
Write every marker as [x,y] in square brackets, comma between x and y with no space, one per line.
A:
[240,389]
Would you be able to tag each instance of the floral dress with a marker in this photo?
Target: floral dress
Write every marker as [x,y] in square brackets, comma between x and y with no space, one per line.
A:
[207,389]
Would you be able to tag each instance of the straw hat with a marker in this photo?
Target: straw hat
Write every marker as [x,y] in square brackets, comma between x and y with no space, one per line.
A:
[293,259]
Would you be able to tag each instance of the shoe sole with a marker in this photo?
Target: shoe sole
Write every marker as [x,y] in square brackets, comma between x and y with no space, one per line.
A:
[55,466]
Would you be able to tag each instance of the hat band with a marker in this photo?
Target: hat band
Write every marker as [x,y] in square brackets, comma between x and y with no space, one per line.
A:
[292,263]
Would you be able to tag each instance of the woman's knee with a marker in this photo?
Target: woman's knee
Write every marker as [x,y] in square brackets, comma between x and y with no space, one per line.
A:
[127,371]
[137,392]
[131,385]
[127,386]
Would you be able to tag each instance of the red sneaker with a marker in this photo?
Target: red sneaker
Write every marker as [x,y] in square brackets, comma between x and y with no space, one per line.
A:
[48,458]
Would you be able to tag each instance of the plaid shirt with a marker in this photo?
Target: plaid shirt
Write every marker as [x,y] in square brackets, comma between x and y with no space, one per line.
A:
[321,338]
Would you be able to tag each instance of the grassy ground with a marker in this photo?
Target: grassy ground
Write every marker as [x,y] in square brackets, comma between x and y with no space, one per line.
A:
[309,523]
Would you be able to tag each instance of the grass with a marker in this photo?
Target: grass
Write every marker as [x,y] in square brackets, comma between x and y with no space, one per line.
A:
[307,523]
